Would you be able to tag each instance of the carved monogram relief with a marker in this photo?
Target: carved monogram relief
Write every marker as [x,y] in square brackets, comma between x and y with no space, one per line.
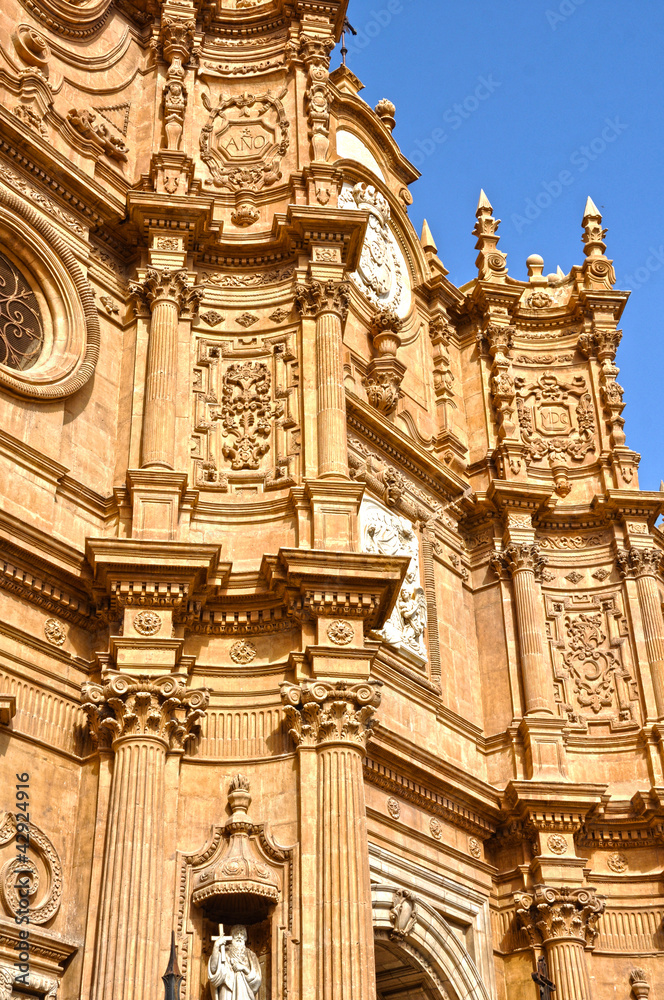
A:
[387,533]
[593,678]
[380,272]
[245,434]
[556,418]
[244,141]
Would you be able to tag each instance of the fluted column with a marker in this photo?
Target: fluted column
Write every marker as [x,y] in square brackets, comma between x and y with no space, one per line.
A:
[525,563]
[328,302]
[336,720]
[564,921]
[142,719]
[167,296]
[645,564]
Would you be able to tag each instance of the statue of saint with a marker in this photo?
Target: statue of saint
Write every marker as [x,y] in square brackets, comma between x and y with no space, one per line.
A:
[233,968]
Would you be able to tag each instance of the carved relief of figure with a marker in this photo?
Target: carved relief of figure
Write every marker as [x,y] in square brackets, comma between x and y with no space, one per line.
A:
[233,968]
[412,610]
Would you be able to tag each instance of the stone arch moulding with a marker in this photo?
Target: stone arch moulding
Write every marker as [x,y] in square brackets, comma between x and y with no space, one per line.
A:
[431,941]
[71,348]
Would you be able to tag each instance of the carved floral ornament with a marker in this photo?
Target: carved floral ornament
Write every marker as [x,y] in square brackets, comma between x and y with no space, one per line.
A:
[49,324]
[161,707]
[322,713]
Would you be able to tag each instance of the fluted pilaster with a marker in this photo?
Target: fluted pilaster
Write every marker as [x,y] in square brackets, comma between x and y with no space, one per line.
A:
[524,562]
[328,302]
[168,296]
[336,719]
[142,719]
[564,921]
[645,564]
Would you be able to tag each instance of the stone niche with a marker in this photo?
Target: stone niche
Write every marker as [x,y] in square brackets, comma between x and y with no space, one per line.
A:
[241,877]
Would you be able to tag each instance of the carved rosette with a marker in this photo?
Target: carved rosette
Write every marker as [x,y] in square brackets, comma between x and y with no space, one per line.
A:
[324,713]
[519,557]
[635,562]
[549,914]
[125,707]
[315,298]
[167,286]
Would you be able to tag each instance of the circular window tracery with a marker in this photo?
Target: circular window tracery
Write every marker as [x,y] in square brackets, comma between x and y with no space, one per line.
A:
[21,324]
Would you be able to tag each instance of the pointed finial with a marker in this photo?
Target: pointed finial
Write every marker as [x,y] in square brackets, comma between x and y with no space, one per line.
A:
[592,211]
[484,202]
[427,240]
[598,270]
[559,272]
[172,977]
[491,263]
[661,486]
[593,234]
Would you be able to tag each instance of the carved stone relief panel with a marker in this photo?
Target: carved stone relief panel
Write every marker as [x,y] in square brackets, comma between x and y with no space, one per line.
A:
[556,417]
[591,659]
[35,867]
[382,274]
[244,141]
[385,532]
[246,433]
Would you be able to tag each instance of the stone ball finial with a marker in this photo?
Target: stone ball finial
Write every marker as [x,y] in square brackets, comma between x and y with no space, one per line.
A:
[535,265]
[386,110]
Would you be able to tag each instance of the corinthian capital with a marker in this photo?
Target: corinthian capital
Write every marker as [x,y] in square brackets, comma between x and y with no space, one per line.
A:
[547,913]
[124,706]
[167,286]
[324,712]
[177,37]
[519,556]
[639,562]
[317,297]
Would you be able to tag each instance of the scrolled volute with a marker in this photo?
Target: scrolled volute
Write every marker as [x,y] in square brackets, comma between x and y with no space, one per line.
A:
[548,913]
[324,712]
[124,706]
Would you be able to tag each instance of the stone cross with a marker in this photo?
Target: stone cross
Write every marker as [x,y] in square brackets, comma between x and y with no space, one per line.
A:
[224,939]
[541,977]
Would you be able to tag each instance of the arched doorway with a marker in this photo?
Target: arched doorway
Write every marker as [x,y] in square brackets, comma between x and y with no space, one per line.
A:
[428,962]
[400,975]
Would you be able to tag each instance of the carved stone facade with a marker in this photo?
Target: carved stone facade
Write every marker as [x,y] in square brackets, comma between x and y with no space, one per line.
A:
[331,632]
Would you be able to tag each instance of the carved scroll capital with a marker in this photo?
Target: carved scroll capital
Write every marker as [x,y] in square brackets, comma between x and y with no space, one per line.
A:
[177,37]
[518,557]
[323,713]
[600,344]
[548,914]
[167,286]
[314,298]
[635,562]
[125,706]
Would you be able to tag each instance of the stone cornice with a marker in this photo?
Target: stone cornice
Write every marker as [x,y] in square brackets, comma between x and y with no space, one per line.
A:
[321,583]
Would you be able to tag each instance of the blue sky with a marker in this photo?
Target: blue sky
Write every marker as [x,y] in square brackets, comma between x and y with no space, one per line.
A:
[513,96]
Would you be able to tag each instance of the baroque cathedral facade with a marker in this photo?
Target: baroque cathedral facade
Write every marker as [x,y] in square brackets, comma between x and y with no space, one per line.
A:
[331,635]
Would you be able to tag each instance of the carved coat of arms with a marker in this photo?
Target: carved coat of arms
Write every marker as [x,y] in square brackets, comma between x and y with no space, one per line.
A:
[556,418]
[379,273]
